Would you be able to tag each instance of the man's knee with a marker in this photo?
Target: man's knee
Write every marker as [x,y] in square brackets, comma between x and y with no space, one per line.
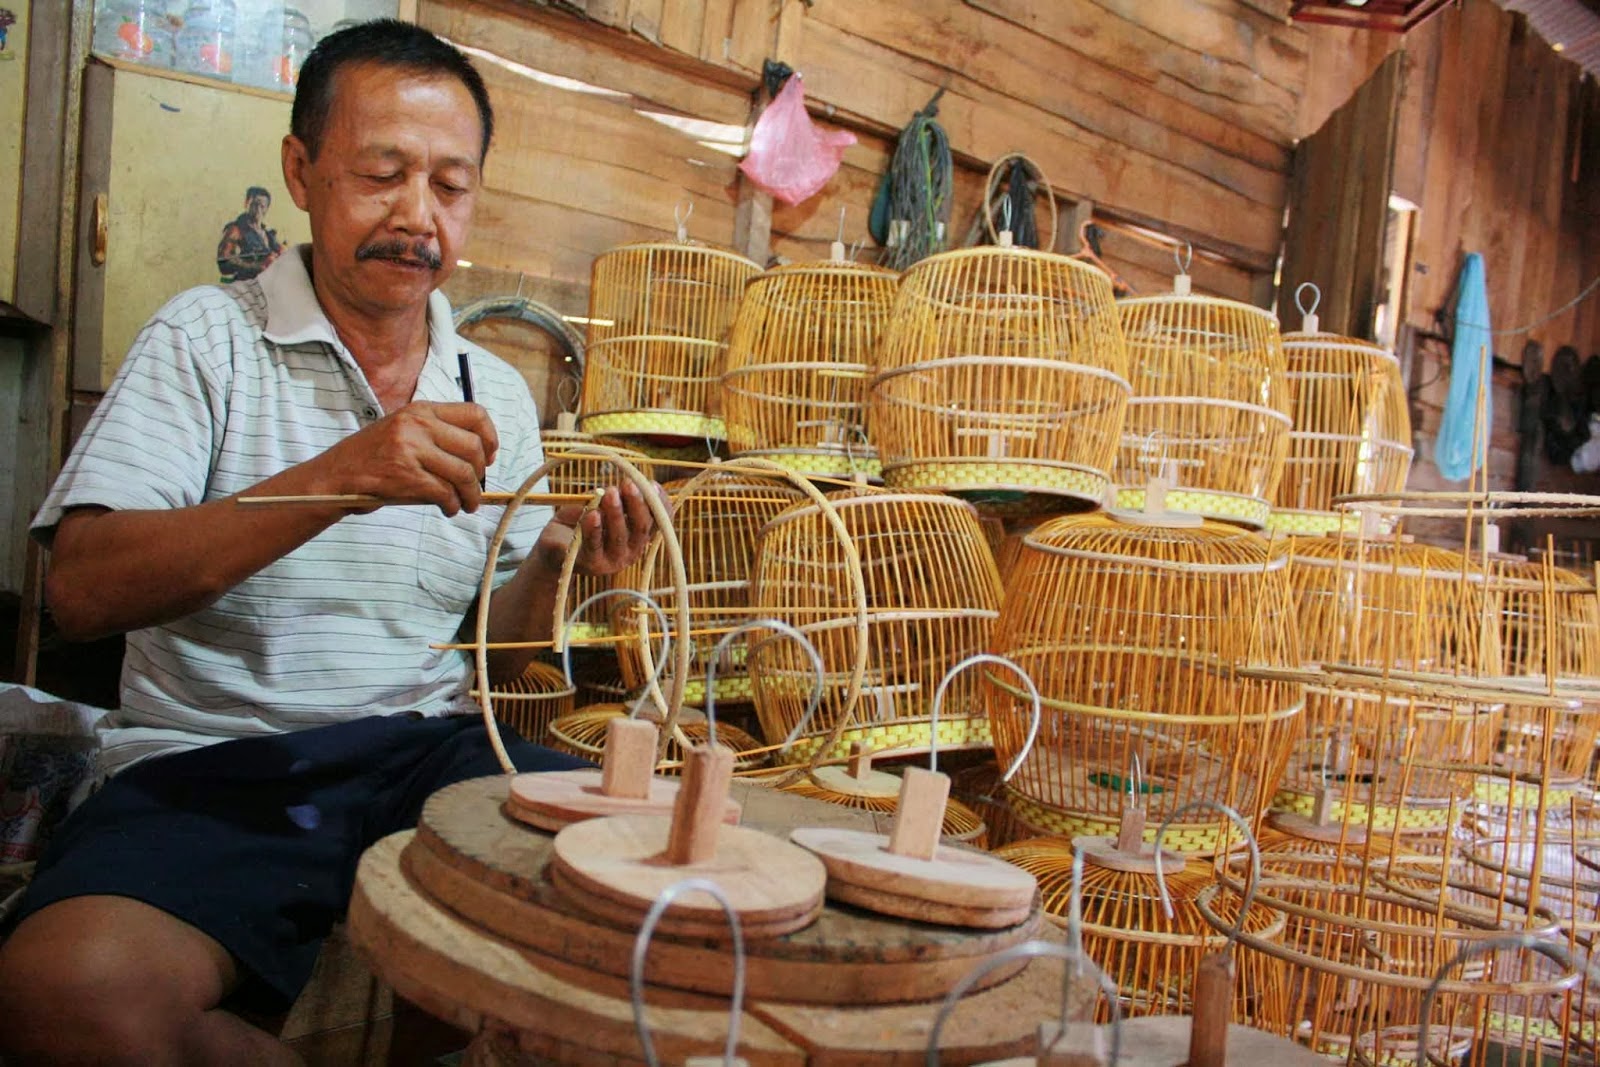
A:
[105,980]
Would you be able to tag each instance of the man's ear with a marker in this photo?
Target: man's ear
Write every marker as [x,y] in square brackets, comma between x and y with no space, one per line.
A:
[296,167]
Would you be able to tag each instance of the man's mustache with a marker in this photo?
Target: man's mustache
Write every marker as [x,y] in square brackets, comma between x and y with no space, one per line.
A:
[415,252]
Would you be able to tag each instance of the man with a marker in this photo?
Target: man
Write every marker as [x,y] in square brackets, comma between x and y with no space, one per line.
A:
[204,873]
[247,246]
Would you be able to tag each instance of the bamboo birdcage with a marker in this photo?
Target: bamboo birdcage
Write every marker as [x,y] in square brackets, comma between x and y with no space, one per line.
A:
[531,701]
[801,352]
[1150,956]
[1210,403]
[1134,633]
[659,314]
[1002,376]
[1351,429]
[932,595]
[718,516]
[1374,612]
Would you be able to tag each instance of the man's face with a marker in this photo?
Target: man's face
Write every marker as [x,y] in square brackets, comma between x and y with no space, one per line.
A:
[258,207]
[393,187]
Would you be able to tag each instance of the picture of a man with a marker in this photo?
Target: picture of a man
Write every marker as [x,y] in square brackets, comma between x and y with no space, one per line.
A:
[248,247]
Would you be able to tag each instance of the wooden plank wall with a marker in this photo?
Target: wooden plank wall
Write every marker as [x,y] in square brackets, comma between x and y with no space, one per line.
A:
[1176,117]
[1500,147]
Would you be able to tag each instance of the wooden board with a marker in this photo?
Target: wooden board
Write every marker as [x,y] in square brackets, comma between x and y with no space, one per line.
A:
[492,872]
[957,886]
[556,799]
[555,1011]
[614,867]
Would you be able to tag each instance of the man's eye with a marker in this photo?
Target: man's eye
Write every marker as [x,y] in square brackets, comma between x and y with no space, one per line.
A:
[383,177]
[454,190]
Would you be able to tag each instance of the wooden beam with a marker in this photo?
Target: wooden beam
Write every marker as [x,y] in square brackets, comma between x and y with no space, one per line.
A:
[44,183]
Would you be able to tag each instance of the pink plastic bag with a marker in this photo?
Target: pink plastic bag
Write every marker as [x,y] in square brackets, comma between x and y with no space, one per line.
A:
[790,157]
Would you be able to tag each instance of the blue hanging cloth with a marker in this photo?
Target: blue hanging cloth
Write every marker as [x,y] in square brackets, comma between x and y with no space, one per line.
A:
[1470,356]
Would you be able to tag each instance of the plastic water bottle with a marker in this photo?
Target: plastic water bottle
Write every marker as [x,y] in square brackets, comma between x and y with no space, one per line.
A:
[287,49]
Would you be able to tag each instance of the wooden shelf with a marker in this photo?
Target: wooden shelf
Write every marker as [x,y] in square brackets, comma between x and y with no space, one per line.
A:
[191,79]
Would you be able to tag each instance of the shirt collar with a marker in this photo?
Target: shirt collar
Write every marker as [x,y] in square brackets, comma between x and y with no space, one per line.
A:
[294,316]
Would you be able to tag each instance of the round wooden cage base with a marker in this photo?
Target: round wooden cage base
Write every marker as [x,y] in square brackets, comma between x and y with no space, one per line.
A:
[554,800]
[1163,1041]
[1297,825]
[542,1009]
[615,868]
[493,874]
[957,886]
[1103,852]
[874,783]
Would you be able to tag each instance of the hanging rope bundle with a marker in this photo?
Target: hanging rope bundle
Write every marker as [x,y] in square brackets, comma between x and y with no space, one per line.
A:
[912,212]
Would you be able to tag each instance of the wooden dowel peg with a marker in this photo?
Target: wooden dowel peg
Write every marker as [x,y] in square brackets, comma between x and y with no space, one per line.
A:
[1062,1045]
[860,760]
[630,758]
[702,798]
[1213,1007]
[920,814]
[1130,831]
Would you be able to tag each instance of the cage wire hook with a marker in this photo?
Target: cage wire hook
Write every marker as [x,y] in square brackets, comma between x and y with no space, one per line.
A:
[1183,256]
[641,945]
[680,216]
[788,631]
[569,404]
[1523,941]
[1029,950]
[938,702]
[666,641]
[1299,298]
[1255,862]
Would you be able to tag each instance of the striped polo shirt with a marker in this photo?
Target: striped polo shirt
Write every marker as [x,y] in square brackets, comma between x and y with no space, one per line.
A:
[224,387]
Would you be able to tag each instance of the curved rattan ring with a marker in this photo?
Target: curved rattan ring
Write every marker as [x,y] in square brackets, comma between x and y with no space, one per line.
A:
[1031,950]
[533,313]
[666,642]
[641,945]
[664,533]
[1255,863]
[1038,174]
[938,701]
[762,624]
[1524,942]
[858,584]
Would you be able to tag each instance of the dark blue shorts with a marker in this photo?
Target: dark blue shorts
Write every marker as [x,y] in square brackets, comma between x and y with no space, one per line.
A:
[255,841]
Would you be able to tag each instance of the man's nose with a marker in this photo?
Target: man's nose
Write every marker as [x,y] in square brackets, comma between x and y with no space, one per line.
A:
[412,209]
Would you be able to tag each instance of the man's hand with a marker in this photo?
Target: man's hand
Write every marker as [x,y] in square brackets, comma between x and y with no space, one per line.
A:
[423,453]
[615,534]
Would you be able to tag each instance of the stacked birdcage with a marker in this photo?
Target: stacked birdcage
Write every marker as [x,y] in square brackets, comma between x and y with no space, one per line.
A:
[1133,630]
[1150,953]
[659,315]
[1375,613]
[931,595]
[1002,377]
[1351,428]
[1210,403]
[718,515]
[533,700]
[802,349]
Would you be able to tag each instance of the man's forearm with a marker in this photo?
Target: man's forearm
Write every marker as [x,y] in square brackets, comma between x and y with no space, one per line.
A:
[115,571]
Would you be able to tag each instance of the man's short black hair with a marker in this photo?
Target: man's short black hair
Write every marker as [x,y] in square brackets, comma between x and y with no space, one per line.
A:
[255,191]
[389,43]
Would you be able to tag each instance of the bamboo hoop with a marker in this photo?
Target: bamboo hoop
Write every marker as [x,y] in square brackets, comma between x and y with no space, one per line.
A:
[664,534]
